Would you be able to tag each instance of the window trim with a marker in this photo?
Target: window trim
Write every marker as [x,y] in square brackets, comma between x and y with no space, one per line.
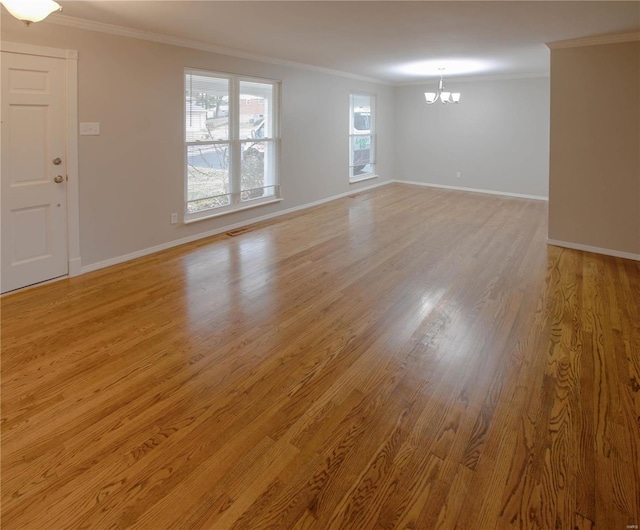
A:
[372,133]
[234,142]
[216,212]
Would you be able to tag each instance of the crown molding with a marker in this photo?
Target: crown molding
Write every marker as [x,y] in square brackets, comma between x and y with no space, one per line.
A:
[594,41]
[122,31]
[478,78]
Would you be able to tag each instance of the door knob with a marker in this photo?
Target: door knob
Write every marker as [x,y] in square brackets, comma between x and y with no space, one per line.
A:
[57,161]
[58,179]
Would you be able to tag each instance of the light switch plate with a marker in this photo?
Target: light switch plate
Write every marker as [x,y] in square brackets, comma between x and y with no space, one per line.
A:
[89,128]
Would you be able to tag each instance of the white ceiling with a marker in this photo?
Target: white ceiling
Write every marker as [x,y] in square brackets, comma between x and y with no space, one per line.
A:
[376,39]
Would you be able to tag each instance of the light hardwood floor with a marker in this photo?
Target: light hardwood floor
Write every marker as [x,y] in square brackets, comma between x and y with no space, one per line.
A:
[405,358]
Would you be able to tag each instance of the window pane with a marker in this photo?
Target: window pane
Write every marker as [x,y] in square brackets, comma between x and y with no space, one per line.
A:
[256,110]
[207,108]
[260,193]
[361,153]
[207,176]
[360,114]
[257,175]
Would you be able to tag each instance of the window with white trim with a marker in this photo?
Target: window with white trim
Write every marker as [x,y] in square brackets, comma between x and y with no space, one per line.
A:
[231,143]
[362,138]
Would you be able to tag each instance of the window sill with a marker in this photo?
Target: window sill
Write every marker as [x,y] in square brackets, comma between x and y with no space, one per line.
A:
[361,178]
[213,214]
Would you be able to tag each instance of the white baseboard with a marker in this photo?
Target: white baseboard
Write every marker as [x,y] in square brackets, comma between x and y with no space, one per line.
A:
[475,190]
[595,250]
[189,239]
[75,267]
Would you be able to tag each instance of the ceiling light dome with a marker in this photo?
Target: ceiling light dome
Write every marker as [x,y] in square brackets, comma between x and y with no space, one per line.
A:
[31,10]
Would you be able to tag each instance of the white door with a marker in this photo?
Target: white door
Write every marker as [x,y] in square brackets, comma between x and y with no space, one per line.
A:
[34,188]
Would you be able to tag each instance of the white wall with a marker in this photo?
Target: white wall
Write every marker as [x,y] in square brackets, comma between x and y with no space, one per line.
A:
[131,176]
[497,137]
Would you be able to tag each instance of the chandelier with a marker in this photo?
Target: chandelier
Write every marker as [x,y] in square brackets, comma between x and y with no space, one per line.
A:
[31,10]
[442,95]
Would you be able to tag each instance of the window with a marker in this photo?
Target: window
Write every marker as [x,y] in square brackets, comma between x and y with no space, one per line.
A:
[231,143]
[362,139]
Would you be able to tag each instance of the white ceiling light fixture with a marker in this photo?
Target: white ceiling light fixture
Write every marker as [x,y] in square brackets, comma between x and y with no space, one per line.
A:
[31,10]
[442,95]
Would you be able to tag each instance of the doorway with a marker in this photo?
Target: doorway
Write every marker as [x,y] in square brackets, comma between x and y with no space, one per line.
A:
[39,188]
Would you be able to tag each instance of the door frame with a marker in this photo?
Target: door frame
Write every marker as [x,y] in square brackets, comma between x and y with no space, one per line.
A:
[71,91]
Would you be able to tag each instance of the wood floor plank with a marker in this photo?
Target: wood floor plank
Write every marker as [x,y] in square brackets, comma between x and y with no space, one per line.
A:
[402,358]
